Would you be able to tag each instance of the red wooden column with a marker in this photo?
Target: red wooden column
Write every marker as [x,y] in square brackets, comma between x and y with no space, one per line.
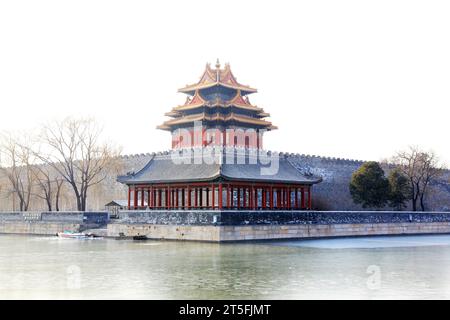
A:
[285,196]
[200,200]
[289,197]
[278,198]
[309,198]
[169,202]
[220,196]
[159,198]
[189,197]
[196,198]
[271,198]
[302,190]
[238,190]
[244,197]
[253,198]
[129,198]
[183,198]
[228,196]
[166,191]
[135,198]
[281,197]
[150,197]
[142,197]
[296,198]
[213,196]
[172,197]
[264,198]
[231,197]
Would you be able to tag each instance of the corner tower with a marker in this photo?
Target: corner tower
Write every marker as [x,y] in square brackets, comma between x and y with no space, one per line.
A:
[217,112]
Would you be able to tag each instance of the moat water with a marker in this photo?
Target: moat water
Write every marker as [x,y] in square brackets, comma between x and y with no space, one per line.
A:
[410,267]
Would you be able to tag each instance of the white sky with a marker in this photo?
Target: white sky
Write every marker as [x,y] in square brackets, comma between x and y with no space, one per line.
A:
[353,79]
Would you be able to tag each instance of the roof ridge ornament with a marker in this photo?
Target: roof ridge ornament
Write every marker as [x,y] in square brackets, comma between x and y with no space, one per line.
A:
[217,70]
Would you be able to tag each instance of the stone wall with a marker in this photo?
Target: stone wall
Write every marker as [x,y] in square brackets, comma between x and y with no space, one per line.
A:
[37,227]
[270,217]
[272,232]
[50,223]
[207,233]
[218,226]
[333,192]
[236,225]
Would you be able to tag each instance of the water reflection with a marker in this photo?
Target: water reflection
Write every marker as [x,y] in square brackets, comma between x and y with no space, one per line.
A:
[372,268]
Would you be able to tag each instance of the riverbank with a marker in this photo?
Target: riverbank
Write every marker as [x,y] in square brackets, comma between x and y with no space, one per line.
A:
[50,223]
[228,226]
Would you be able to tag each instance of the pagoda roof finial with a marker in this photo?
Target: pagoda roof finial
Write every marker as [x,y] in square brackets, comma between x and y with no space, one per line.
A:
[217,76]
[217,70]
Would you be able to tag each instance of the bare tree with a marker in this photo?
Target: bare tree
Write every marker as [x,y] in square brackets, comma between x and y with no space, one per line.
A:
[421,168]
[49,184]
[16,163]
[59,184]
[77,153]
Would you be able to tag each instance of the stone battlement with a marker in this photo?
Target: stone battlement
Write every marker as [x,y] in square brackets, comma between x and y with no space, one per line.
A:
[274,217]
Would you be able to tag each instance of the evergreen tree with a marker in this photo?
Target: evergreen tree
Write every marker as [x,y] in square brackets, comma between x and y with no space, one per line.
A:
[400,190]
[369,186]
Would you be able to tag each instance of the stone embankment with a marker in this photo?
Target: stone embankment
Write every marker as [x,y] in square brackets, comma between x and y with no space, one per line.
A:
[222,226]
[50,223]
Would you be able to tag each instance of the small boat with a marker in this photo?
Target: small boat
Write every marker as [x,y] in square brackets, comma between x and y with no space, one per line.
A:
[140,237]
[74,235]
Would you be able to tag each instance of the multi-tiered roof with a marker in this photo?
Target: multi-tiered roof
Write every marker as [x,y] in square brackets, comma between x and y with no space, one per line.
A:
[228,174]
[217,100]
